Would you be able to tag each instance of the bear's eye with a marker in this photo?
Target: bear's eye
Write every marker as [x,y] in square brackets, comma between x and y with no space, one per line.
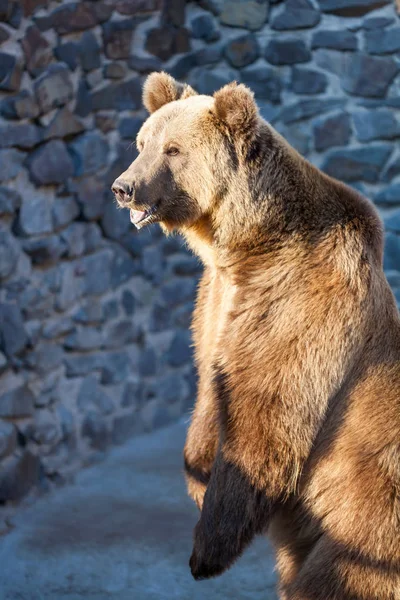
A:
[172,151]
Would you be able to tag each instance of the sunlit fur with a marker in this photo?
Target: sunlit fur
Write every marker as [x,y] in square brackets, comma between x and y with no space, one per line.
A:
[296,428]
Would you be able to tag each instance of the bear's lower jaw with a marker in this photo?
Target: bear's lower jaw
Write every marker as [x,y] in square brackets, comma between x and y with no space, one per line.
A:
[140,218]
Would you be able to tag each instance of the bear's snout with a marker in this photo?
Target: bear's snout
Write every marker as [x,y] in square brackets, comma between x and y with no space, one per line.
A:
[123,191]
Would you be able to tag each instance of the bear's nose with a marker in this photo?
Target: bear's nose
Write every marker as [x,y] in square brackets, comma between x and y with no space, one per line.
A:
[123,191]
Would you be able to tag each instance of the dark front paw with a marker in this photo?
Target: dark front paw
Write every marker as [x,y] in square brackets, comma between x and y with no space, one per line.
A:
[207,558]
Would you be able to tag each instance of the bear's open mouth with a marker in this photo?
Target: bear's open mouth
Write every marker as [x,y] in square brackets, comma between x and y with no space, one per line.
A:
[140,218]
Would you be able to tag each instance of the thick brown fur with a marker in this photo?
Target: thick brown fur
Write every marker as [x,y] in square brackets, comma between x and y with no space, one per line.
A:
[296,429]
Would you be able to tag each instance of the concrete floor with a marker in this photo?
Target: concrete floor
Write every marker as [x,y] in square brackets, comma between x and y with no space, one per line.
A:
[122,531]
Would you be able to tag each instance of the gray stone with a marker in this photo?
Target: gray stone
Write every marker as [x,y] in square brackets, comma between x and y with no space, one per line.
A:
[392,222]
[250,14]
[160,318]
[205,27]
[81,238]
[83,104]
[114,367]
[128,302]
[334,130]
[145,64]
[368,76]
[91,394]
[391,170]
[147,363]
[63,124]
[115,221]
[163,42]
[185,264]
[13,337]
[375,124]
[183,65]
[11,161]
[209,54]
[179,352]
[95,428]
[10,200]
[304,109]
[177,291]
[308,81]
[383,42]
[54,87]
[35,215]
[182,316]
[22,135]
[68,53]
[287,51]
[57,327]
[18,476]
[96,272]
[125,427]
[88,338]
[9,254]
[17,403]
[45,428]
[110,309]
[89,313]
[389,195]
[242,50]
[173,12]
[123,267]
[173,388]
[206,81]
[295,14]
[74,16]
[89,52]
[357,164]
[45,357]
[117,38]
[129,127]
[4,34]
[19,106]
[37,51]
[153,264]
[8,439]
[264,81]
[106,120]
[332,61]
[132,395]
[350,8]
[126,95]
[64,210]
[122,333]
[337,40]
[377,22]
[10,72]
[31,6]
[90,195]
[44,250]
[391,254]
[298,135]
[90,153]
[114,70]
[127,7]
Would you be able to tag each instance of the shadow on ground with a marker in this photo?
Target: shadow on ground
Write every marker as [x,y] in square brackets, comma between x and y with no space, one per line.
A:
[122,531]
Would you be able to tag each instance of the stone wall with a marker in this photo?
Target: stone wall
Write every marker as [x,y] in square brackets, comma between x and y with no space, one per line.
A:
[94,346]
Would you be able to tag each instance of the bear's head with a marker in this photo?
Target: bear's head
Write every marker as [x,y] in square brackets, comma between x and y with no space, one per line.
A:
[190,148]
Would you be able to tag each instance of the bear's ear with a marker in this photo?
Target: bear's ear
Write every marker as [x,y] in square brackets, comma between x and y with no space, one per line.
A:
[161,88]
[235,107]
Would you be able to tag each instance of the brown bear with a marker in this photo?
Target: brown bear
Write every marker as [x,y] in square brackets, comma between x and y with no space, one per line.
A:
[296,429]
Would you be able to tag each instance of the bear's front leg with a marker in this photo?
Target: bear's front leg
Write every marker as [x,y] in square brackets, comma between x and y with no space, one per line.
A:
[234,511]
